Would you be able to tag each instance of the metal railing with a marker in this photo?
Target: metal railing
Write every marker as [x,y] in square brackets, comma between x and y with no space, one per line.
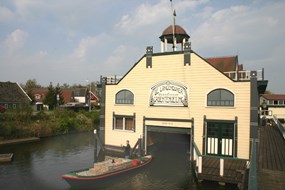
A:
[265,113]
[279,126]
[244,75]
[198,158]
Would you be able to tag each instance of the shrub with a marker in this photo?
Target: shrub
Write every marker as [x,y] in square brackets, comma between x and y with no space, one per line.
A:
[14,124]
[41,115]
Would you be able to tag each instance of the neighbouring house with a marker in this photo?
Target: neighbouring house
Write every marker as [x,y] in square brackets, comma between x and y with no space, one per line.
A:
[76,95]
[81,95]
[94,99]
[38,97]
[272,105]
[12,96]
[212,101]
[40,94]
[67,95]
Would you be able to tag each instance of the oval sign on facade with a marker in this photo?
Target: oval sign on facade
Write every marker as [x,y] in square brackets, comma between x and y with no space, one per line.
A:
[168,93]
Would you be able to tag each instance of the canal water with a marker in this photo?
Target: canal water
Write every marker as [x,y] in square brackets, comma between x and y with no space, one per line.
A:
[39,165]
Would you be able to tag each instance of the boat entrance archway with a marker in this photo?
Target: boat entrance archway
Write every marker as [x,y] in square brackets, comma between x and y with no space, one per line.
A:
[166,130]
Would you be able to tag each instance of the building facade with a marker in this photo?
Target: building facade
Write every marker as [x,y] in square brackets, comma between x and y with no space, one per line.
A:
[213,100]
[273,105]
[12,96]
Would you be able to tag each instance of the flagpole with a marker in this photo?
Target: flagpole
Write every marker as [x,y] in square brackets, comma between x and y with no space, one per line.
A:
[173,26]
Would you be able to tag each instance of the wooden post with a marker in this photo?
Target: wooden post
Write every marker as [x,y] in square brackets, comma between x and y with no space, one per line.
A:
[196,158]
[200,164]
[221,167]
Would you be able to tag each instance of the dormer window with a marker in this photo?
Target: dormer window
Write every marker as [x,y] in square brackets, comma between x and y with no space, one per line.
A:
[37,96]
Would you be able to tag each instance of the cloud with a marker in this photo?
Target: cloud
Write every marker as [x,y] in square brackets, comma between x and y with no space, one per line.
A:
[15,40]
[91,38]
[91,46]
[254,33]
[5,14]
[82,49]
[144,15]
[239,26]
[116,58]
[147,15]
[119,62]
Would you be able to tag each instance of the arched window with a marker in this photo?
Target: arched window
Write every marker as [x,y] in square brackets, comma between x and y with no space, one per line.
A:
[220,97]
[124,97]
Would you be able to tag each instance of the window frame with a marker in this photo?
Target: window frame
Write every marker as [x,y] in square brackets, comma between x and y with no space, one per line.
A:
[124,126]
[221,102]
[125,99]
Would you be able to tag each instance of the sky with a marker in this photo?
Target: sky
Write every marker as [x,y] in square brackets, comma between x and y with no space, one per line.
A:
[72,42]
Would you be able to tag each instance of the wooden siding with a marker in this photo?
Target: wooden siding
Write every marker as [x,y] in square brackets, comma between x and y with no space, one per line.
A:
[278,111]
[200,78]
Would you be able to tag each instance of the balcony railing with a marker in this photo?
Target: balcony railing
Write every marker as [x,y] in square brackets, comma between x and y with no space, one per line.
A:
[244,75]
[280,126]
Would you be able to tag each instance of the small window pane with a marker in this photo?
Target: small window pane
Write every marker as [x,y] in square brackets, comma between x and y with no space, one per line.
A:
[129,124]
[226,95]
[119,123]
[215,95]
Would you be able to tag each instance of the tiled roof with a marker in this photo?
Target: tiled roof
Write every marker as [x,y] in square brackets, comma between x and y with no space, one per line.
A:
[274,96]
[11,92]
[80,92]
[224,64]
[40,93]
[66,93]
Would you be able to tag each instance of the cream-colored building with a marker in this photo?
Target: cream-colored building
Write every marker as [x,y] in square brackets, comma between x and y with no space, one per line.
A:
[181,92]
[273,105]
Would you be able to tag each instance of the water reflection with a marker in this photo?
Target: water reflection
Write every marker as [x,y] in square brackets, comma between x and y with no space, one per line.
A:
[40,165]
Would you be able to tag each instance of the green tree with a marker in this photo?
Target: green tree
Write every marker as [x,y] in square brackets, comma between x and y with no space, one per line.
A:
[53,97]
[50,98]
[59,96]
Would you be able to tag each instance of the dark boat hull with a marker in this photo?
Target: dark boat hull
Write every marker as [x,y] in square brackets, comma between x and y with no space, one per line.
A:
[102,180]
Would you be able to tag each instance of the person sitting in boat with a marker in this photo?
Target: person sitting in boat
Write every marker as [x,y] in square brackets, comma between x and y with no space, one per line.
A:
[127,149]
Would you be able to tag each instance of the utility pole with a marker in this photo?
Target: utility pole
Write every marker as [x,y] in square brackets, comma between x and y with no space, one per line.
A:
[89,101]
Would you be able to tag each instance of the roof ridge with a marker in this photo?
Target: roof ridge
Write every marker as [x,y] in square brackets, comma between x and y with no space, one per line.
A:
[228,56]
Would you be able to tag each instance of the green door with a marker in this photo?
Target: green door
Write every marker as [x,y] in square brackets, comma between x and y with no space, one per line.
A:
[220,138]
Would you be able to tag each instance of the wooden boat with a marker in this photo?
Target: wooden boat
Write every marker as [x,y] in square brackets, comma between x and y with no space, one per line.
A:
[103,171]
[6,157]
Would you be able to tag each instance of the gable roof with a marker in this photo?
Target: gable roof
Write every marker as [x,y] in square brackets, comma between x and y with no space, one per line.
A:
[77,92]
[11,92]
[40,93]
[224,64]
[66,93]
[274,96]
